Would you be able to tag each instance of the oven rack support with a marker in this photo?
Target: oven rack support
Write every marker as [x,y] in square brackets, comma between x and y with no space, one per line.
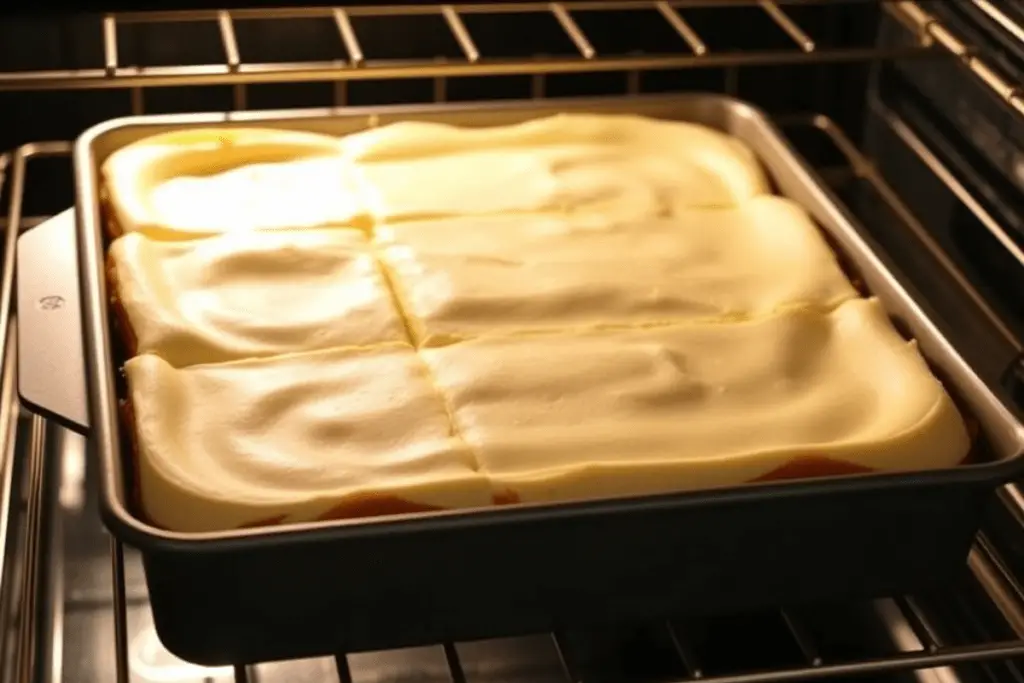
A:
[920,649]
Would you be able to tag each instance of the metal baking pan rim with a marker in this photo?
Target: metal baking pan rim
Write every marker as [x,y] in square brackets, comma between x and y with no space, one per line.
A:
[139,534]
[100,371]
[382,115]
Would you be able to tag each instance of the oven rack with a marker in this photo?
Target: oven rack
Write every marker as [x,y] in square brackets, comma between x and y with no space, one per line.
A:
[31,582]
[470,58]
[355,62]
[32,587]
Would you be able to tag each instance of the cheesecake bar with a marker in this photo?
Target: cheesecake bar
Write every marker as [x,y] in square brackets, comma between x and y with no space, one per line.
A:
[206,181]
[627,167]
[323,435]
[460,278]
[252,294]
[645,411]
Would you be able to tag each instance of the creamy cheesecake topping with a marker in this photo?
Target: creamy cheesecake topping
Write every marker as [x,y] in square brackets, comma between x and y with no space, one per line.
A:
[295,438]
[697,406]
[467,277]
[255,294]
[421,316]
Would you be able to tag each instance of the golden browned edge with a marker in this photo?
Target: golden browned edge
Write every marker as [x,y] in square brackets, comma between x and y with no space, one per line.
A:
[123,330]
[108,217]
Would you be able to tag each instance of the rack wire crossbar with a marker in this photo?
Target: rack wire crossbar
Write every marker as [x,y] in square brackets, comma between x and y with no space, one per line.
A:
[693,50]
[355,65]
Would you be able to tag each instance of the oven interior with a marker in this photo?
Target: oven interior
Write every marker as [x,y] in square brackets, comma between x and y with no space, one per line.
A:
[906,109]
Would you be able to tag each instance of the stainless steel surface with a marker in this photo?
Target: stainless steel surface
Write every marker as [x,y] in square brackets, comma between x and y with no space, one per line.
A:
[39,299]
[95,625]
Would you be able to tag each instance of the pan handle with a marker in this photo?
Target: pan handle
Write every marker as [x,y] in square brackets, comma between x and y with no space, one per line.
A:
[51,357]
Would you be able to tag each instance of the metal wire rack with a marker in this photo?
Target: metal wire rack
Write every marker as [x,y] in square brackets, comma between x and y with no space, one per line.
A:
[355,63]
[31,592]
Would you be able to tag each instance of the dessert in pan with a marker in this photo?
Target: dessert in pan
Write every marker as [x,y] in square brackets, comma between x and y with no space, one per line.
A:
[252,294]
[342,432]
[197,183]
[683,407]
[423,317]
[463,277]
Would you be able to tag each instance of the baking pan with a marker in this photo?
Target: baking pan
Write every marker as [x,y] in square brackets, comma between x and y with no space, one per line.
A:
[320,588]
